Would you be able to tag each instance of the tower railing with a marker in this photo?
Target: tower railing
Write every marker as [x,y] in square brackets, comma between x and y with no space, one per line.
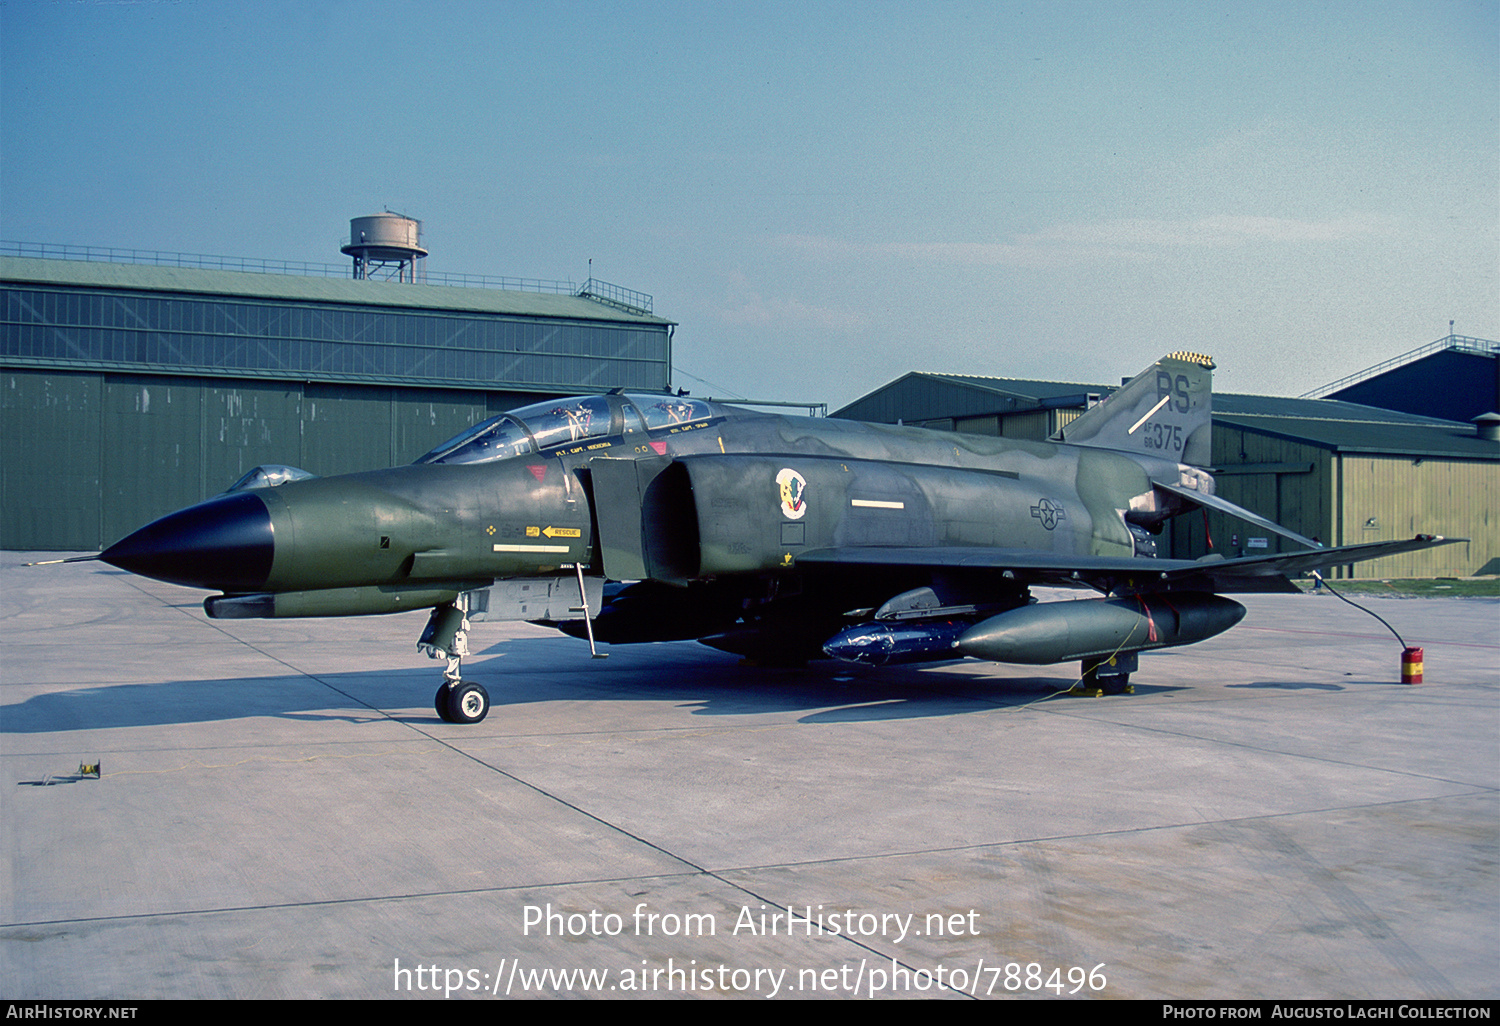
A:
[204,261]
[616,295]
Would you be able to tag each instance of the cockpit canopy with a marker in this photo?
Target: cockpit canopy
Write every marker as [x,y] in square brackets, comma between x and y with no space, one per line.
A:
[270,475]
[546,425]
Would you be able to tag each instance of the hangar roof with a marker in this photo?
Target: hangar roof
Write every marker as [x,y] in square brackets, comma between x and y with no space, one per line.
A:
[1351,428]
[1460,381]
[296,288]
[1326,423]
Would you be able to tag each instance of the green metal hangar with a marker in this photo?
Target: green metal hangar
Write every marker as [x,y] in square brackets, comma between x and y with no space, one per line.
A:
[129,390]
[1335,471]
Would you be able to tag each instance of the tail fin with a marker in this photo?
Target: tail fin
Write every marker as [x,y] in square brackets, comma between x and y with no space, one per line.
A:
[1162,411]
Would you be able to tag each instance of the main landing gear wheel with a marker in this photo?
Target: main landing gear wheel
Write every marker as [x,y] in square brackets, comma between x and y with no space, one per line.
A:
[465,703]
[1107,676]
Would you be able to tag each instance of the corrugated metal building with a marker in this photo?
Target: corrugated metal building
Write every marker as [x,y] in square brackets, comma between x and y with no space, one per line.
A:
[1334,471]
[128,390]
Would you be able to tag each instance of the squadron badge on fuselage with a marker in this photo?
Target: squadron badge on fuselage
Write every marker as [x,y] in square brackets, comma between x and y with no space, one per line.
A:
[793,487]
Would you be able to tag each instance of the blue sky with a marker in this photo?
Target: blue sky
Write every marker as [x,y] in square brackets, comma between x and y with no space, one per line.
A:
[824,195]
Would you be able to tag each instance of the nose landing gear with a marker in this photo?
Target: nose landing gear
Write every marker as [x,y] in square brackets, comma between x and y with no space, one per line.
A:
[447,637]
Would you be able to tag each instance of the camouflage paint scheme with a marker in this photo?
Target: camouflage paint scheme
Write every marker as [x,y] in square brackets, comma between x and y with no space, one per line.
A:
[780,538]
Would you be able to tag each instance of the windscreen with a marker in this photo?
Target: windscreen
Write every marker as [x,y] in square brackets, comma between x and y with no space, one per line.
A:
[493,439]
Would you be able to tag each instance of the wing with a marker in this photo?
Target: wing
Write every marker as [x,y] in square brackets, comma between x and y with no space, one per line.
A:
[1268,573]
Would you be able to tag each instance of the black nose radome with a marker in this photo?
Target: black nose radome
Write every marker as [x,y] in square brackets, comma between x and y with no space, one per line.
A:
[224,543]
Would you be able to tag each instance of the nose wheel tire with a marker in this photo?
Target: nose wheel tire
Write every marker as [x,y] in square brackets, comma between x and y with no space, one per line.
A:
[466,703]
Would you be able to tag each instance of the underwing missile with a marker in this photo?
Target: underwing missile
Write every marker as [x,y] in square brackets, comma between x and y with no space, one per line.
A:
[888,644]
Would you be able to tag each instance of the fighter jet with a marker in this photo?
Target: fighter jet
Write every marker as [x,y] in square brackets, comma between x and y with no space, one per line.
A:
[631,518]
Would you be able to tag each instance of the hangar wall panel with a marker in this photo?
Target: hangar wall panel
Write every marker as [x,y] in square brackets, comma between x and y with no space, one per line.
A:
[152,448]
[1063,417]
[1405,497]
[246,424]
[50,458]
[347,427]
[1032,427]
[988,425]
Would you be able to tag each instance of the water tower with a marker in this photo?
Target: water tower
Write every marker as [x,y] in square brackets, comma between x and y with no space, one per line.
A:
[383,240]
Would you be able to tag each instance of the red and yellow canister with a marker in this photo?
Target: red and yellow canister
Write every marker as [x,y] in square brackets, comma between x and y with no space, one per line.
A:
[1411,666]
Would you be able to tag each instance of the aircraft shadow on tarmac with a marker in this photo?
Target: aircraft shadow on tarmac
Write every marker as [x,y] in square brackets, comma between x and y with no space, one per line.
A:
[526,671]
